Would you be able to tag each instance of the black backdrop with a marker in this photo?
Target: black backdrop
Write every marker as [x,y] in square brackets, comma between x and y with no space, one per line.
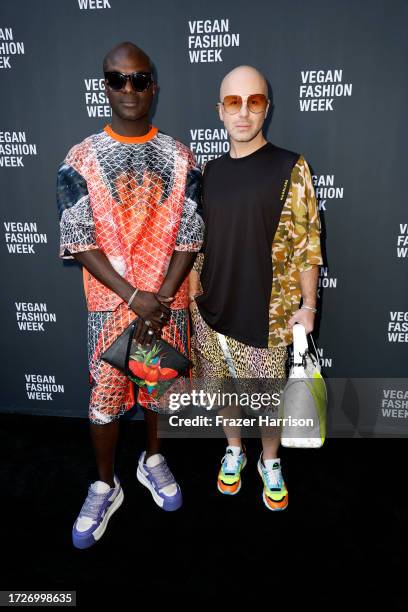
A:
[338,74]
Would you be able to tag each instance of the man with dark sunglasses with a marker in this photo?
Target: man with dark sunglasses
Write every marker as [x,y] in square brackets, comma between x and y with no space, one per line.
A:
[260,258]
[127,199]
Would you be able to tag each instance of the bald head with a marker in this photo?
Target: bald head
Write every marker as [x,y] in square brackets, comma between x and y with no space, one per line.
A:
[127,102]
[243,80]
[126,52]
[244,124]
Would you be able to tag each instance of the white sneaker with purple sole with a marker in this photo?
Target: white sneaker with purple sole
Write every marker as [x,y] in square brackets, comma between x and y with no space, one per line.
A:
[156,476]
[101,502]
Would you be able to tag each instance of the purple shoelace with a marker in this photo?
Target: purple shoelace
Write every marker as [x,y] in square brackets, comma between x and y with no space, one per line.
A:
[92,505]
[162,475]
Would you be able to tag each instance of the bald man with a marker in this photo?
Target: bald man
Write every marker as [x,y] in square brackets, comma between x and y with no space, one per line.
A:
[127,199]
[260,259]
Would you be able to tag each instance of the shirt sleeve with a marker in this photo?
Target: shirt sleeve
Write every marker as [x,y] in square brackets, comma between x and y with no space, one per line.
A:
[305,218]
[77,228]
[191,230]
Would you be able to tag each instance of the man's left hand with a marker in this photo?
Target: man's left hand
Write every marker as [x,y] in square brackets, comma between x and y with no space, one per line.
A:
[304,317]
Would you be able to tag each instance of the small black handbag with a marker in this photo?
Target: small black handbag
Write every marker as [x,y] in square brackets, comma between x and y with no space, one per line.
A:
[153,367]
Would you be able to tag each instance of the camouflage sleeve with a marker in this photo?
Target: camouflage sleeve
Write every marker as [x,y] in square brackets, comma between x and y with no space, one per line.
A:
[191,230]
[77,228]
[306,225]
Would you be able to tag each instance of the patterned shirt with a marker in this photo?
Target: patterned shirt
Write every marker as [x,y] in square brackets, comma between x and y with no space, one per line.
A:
[136,199]
[295,249]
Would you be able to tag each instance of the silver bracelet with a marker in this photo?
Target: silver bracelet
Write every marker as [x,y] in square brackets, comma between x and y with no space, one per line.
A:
[132,297]
[308,308]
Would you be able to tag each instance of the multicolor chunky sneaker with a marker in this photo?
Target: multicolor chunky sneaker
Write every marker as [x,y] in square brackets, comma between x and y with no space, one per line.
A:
[101,502]
[275,493]
[155,474]
[229,476]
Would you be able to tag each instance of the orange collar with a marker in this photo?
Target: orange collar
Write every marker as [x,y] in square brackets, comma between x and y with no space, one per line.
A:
[131,139]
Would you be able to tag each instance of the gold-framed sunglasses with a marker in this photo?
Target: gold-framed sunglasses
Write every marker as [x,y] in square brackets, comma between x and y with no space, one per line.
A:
[256,103]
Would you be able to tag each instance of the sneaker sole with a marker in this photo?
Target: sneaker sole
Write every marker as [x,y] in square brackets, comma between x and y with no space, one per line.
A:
[264,496]
[240,482]
[159,500]
[92,539]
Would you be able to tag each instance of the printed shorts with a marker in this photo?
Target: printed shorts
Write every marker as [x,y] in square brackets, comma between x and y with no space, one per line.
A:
[112,393]
[249,362]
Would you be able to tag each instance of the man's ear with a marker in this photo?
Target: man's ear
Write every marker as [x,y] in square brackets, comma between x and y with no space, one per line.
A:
[269,108]
[220,111]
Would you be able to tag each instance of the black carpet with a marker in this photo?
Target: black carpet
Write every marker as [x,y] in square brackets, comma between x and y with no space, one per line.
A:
[342,538]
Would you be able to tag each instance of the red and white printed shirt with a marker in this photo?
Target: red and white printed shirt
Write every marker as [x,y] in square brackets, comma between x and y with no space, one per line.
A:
[136,199]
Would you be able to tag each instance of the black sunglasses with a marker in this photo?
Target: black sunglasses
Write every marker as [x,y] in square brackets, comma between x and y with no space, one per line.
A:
[140,80]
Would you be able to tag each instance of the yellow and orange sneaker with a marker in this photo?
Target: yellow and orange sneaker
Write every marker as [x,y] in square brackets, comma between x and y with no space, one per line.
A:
[275,493]
[229,476]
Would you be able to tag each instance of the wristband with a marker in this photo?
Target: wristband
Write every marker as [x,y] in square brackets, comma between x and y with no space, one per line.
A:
[132,298]
[308,308]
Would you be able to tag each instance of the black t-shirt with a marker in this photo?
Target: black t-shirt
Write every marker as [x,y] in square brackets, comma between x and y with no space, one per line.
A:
[241,211]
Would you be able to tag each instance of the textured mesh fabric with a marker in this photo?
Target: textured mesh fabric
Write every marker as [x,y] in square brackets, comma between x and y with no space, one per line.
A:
[135,201]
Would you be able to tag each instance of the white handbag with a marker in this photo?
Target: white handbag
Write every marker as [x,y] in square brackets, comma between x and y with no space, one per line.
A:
[304,402]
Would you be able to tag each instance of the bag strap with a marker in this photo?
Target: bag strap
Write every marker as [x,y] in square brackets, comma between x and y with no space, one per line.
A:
[313,344]
[301,345]
[226,352]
